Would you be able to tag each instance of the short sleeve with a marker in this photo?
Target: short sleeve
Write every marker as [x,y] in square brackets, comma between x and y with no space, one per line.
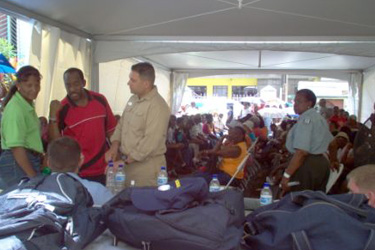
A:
[14,128]
[303,135]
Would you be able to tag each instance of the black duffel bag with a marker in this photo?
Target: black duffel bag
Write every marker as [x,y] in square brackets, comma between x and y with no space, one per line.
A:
[185,217]
[312,220]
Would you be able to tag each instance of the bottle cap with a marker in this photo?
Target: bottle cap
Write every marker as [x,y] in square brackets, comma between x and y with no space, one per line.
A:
[266,184]
[214,176]
[163,168]
[110,163]
[121,165]
[165,187]
[46,171]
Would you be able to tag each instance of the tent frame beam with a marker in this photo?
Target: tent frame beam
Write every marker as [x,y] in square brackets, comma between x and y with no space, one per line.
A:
[24,14]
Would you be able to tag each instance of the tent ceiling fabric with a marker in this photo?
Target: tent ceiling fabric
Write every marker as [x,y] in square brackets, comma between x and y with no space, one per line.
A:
[264,60]
[211,17]
[155,30]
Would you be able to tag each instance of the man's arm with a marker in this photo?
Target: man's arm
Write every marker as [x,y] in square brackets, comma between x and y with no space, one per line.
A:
[112,152]
[228,152]
[111,121]
[332,150]
[295,163]
[20,156]
[53,128]
[115,137]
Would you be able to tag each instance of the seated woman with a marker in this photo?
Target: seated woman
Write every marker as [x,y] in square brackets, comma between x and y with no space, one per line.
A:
[232,151]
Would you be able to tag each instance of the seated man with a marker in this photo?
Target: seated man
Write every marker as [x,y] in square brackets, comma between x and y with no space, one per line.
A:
[64,156]
[232,151]
[362,181]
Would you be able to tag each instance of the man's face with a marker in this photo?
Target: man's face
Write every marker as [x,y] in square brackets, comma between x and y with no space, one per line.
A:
[301,104]
[136,84]
[335,110]
[74,85]
[341,141]
[322,103]
[234,134]
[353,188]
[30,88]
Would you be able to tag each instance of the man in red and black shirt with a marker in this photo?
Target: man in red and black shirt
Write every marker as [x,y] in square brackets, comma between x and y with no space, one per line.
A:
[87,117]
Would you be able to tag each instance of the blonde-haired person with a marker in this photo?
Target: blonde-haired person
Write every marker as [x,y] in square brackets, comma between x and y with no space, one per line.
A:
[20,130]
[362,181]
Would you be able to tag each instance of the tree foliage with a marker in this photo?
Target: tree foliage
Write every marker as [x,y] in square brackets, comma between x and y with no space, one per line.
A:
[7,49]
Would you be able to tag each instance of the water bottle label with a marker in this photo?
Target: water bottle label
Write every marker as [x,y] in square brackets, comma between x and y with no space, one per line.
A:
[120,178]
[214,188]
[265,200]
[162,180]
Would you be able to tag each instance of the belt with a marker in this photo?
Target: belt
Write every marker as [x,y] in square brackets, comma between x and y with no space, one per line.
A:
[34,153]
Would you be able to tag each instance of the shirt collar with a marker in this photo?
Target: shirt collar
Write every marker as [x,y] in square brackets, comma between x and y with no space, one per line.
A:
[306,113]
[89,96]
[23,101]
[149,95]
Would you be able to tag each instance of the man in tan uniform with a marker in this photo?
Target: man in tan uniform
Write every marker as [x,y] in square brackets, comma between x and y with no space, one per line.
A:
[141,133]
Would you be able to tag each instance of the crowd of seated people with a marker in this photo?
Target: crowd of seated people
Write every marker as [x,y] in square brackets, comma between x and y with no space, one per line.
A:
[191,137]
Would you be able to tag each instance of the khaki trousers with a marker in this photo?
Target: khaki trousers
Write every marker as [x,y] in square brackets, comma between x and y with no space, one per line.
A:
[144,173]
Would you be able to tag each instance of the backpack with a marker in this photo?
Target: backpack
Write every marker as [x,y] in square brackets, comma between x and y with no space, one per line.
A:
[312,220]
[49,212]
[194,220]
[364,143]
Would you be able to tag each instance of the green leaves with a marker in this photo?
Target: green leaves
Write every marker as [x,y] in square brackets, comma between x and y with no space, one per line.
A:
[7,49]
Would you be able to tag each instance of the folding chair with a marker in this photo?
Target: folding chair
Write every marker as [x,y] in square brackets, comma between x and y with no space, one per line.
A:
[241,166]
[333,176]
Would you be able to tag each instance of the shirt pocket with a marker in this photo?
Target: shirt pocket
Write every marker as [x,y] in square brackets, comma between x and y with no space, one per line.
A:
[137,121]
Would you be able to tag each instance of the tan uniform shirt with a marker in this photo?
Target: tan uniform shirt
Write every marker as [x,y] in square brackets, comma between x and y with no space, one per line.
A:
[142,133]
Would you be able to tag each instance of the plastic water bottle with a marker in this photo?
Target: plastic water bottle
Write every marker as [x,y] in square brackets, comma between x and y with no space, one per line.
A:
[120,179]
[162,176]
[110,178]
[266,195]
[214,184]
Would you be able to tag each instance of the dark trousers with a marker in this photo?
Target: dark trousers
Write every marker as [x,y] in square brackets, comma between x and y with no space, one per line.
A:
[312,175]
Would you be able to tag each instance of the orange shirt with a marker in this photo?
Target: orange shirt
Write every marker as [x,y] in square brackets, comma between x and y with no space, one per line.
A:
[229,165]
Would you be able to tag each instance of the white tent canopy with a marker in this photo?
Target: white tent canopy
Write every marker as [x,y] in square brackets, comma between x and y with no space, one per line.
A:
[196,38]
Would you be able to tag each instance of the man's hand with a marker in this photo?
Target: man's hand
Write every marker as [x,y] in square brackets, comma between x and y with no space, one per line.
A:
[129,160]
[111,154]
[335,165]
[54,107]
[284,185]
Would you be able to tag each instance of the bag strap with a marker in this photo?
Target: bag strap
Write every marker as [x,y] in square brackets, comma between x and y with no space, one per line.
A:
[352,206]
[300,241]
[371,241]
[32,183]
